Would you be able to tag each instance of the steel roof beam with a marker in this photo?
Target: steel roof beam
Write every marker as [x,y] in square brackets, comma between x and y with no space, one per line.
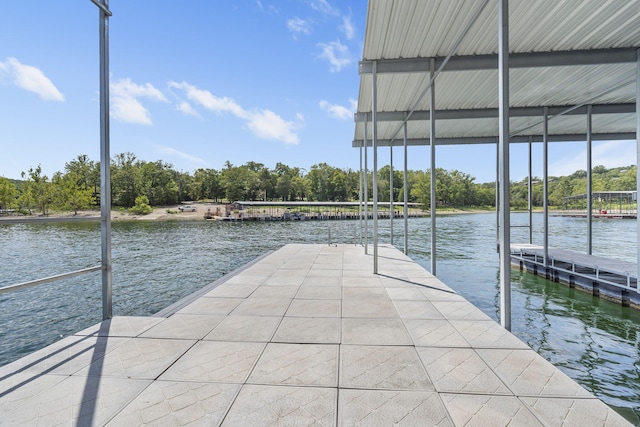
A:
[489,113]
[580,137]
[516,60]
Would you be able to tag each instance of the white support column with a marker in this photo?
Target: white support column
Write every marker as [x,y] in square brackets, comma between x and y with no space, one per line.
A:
[589,183]
[105,163]
[432,140]
[545,177]
[374,124]
[503,142]
[360,194]
[391,211]
[498,197]
[638,160]
[530,197]
[406,194]
[366,191]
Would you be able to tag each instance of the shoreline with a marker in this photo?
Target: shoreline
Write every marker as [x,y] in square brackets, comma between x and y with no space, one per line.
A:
[162,214]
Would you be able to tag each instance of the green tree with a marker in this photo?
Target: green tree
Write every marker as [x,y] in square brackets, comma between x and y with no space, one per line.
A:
[156,181]
[239,182]
[8,193]
[284,181]
[320,185]
[124,179]
[141,206]
[69,195]
[86,171]
[338,186]
[37,191]
[421,188]
[206,185]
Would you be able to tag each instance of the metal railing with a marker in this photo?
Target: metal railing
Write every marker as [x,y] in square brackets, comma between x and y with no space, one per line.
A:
[105,180]
[50,279]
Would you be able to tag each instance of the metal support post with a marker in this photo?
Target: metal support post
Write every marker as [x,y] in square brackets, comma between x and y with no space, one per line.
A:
[589,183]
[374,128]
[638,160]
[432,140]
[391,211]
[498,198]
[406,194]
[105,163]
[360,195]
[545,191]
[366,191]
[530,197]
[503,142]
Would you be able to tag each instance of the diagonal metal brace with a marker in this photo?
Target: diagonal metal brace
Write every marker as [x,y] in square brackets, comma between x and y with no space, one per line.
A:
[102,7]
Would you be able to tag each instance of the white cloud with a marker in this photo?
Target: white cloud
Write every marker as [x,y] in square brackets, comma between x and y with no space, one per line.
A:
[610,154]
[125,103]
[347,27]
[30,78]
[187,109]
[324,7]
[299,26]
[338,111]
[196,161]
[209,100]
[264,124]
[336,53]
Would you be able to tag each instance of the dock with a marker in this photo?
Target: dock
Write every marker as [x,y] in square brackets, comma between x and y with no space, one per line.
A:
[609,278]
[308,211]
[306,335]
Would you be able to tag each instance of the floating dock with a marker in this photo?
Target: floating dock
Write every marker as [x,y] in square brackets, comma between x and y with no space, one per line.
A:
[305,211]
[599,215]
[611,279]
[306,335]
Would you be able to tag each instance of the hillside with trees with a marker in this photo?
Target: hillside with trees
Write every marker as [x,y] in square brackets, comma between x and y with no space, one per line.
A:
[159,184]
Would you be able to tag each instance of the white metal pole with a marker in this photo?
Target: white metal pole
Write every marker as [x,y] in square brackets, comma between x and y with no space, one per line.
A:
[366,190]
[638,162]
[432,140]
[545,191]
[589,182]
[503,107]
[360,195]
[530,197]
[105,164]
[391,212]
[374,124]
[406,194]
[498,197]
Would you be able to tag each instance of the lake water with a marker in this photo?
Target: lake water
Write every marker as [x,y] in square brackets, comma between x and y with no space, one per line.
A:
[156,263]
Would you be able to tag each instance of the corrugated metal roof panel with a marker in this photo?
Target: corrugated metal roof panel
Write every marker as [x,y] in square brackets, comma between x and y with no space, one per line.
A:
[429,28]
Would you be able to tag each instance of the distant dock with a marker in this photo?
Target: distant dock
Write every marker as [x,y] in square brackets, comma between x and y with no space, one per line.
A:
[611,279]
[306,211]
[603,214]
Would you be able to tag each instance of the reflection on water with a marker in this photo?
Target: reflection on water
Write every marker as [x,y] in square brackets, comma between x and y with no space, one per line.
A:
[157,263]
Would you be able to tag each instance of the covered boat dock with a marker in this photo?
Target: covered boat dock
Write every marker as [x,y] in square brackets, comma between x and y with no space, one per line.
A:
[497,73]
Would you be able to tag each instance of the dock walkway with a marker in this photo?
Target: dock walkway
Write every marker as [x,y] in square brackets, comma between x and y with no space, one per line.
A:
[614,279]
[304,336]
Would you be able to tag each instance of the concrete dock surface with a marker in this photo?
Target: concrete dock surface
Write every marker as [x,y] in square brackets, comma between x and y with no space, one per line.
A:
[307,335]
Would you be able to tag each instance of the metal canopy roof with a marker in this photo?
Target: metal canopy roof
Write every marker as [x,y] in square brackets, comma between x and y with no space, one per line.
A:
[563,54]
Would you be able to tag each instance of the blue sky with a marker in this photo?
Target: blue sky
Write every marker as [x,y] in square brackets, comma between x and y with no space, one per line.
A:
[198,83]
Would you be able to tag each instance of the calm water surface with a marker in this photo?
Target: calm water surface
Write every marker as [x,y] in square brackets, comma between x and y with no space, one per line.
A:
[157,263]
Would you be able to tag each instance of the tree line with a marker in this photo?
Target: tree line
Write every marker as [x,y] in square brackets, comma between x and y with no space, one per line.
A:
[136,182]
